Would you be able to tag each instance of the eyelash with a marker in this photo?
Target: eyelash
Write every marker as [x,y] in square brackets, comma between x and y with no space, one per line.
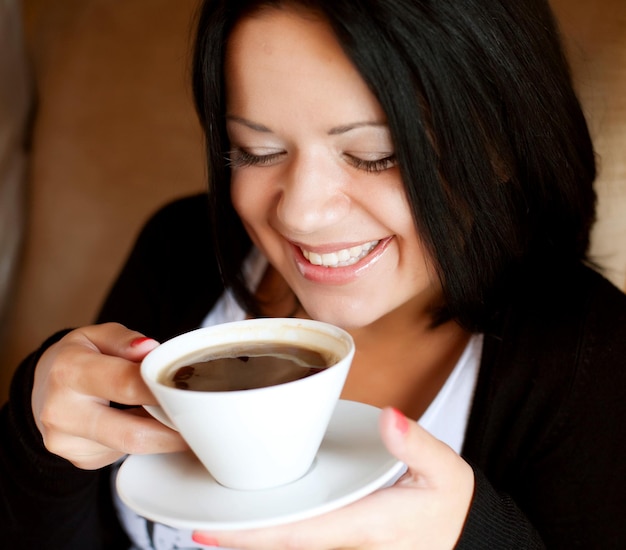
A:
[372,166]
[239,158]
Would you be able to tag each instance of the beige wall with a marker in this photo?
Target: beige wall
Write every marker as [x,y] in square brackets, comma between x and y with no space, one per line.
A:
[116,136]
[595,35]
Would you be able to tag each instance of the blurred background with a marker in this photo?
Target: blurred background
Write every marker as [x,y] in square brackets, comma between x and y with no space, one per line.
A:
[97,130]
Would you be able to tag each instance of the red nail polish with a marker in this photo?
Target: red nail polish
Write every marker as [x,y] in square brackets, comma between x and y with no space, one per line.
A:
[402,422]
[138,341]
[205,540]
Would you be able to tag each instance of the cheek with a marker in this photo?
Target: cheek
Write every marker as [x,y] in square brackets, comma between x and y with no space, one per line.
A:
[253,201]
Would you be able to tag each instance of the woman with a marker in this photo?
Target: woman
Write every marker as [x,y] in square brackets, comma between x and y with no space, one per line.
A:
[420,174]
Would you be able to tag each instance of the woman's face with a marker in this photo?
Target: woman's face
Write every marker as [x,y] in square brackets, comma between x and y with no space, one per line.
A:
[314,176]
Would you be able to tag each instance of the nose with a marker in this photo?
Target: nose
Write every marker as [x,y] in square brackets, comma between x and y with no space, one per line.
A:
[312,195]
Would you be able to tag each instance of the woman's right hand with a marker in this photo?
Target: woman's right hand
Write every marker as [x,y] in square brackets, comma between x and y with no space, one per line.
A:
[75,381]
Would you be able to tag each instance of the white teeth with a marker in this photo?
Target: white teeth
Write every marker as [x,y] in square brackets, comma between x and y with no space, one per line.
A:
[343,255]
[340,258]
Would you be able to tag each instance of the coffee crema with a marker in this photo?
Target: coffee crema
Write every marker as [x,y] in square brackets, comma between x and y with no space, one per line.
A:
[249,366]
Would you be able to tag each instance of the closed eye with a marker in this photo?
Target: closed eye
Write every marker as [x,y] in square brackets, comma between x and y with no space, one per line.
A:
[373,165]
[239,158]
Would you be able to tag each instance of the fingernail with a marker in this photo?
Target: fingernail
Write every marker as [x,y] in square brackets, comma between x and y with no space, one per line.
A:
[205,540]
[402,422]
[138,341]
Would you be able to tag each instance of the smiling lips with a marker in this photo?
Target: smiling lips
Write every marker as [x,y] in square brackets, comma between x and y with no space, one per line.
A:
[340,258]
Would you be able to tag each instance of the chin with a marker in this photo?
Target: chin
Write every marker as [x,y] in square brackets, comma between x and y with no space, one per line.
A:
[347,318]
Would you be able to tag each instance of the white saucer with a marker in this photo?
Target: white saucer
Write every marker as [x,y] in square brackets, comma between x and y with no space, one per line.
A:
[176,490]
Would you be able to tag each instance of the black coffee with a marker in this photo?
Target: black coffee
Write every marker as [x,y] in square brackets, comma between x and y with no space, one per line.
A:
[255,365]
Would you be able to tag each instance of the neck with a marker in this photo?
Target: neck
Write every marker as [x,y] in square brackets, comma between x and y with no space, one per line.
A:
[403,361]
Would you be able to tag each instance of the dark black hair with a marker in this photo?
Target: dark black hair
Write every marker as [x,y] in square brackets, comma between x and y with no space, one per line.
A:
[490,138]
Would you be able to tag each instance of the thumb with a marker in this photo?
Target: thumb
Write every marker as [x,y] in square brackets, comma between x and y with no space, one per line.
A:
[435,469]
[425,456]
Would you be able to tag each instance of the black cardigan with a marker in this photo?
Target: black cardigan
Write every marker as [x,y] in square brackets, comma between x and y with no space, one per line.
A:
[545,434]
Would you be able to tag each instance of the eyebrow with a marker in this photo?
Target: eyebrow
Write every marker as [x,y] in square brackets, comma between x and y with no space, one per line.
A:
[335,131]
[249,124]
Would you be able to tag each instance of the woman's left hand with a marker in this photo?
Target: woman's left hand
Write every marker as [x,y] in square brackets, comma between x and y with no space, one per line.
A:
[426,508]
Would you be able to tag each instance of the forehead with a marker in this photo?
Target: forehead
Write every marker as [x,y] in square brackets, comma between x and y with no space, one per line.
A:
[285,18]
[282,36]
[289,53]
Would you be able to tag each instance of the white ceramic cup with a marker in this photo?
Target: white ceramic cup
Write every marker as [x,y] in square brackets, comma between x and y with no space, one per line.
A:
[257,438]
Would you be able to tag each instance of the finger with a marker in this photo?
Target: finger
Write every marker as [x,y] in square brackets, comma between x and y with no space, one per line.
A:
[320,533]
[101,377]
[425,455]
[86,455]
[434,468]
[357,525]
[116,340]
[105,434]
[81,369]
